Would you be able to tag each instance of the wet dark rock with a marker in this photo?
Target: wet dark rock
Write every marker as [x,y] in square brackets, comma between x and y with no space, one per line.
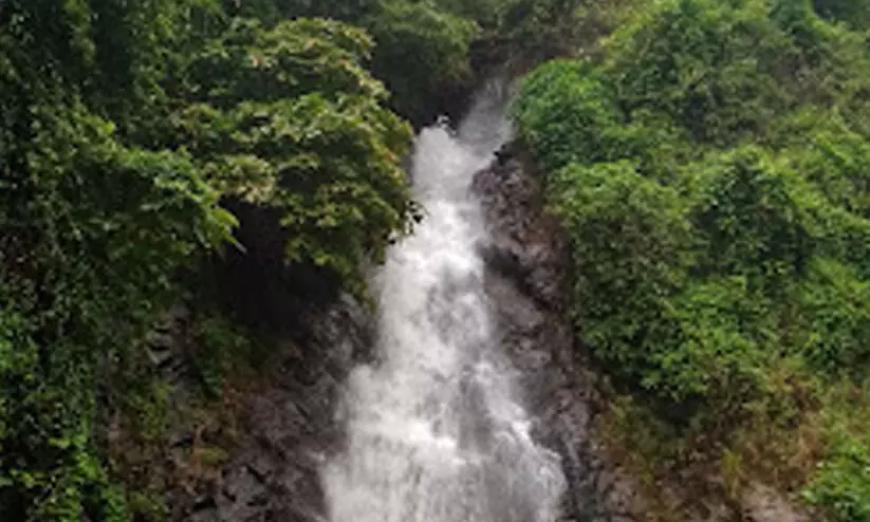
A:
[286,426]
[526,282]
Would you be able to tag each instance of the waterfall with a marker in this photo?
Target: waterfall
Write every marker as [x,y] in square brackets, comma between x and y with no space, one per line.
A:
[435,429]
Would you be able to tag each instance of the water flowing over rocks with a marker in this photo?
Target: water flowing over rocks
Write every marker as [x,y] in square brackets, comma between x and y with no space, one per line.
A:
[526,282]
[434,428]
[491,417]
[289,428]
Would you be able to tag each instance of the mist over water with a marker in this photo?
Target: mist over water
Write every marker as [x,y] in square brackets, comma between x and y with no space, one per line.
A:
[434,430]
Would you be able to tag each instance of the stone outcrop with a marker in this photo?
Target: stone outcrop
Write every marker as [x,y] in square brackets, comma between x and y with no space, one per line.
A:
[526,282]
[285,424]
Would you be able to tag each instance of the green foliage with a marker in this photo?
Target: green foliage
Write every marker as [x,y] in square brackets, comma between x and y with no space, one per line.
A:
[566,116]
[137,438]
[751,213]
[704,64]
[633,241]
[250,62]
[219,345]
[752,219]
[292,122]
[212,455]
[711,344]
[125,126]
[487,13]
[836,304]
[431,44]
[636,272]
[832,155]
[855,13]
[424,49]
[543,29]
[707,268]
[842,485]
[92,233]
[147,507]
[129,128]
[275,10]
[91,230]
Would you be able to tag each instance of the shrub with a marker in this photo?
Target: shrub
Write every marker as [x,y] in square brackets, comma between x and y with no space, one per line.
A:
[431,44]
[629,240]
[287,119]
[842,484]
[836,305]
[565,115]
[751,218]
[711,174]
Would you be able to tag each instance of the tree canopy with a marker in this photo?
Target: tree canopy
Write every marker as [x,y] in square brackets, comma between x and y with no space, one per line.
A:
[709,167]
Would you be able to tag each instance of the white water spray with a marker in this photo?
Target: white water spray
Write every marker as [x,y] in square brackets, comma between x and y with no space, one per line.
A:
[434,432]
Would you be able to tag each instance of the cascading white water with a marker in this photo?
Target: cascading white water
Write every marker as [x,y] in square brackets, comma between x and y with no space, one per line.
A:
[434,431]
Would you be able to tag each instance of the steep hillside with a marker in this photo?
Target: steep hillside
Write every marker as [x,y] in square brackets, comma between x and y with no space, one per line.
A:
[710,169]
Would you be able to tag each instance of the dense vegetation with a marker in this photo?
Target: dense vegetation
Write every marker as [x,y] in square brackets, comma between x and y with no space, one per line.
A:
[138,141]
[710,165]
[709,160]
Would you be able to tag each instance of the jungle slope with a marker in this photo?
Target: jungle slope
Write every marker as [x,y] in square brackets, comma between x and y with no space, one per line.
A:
[710,167]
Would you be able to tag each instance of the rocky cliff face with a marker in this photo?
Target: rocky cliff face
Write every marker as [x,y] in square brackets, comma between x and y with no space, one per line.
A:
[275,437]
[526,281]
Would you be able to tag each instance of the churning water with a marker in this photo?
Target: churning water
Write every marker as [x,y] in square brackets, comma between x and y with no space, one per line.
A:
[434,430]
